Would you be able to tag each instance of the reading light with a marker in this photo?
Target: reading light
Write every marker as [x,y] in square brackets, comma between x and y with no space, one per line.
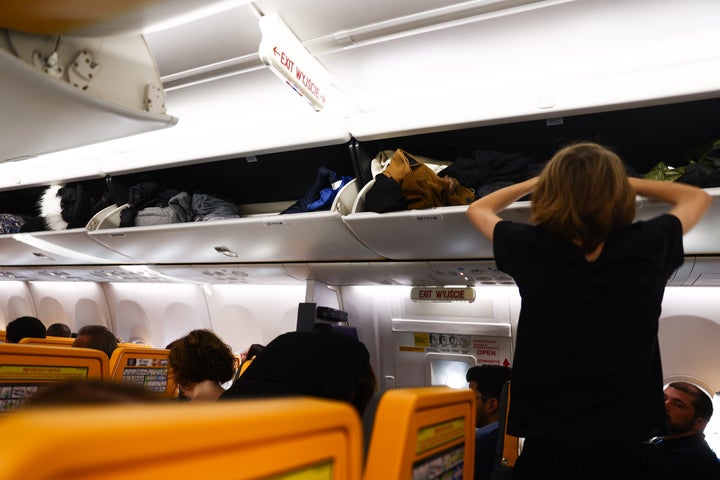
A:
[197,14]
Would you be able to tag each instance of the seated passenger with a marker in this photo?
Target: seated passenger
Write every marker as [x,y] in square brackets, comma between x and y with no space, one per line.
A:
[487,382]
[251,352]
[97,337]
[89,392]
[320,364]
[24,327]
[200,362]
[684,452]
[247,357]
[59,330]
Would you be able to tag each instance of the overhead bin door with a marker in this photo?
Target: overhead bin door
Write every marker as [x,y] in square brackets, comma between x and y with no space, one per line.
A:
[275,238]
[67,247]
[437,233]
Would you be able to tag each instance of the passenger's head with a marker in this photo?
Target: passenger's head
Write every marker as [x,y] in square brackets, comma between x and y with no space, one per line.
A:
[59,330]
[251,352]
[87,392]
[24,327]
[688,408]
[583,195]
[198,356]
[487,382]
[97,337]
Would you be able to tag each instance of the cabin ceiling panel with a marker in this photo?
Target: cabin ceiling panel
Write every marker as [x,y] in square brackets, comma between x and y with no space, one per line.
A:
[223,38]
[262,274]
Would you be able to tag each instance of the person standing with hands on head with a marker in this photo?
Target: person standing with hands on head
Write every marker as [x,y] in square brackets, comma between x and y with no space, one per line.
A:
[587,378]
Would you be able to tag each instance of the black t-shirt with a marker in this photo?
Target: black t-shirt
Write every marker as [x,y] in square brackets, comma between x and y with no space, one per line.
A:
[688,458]
[587,359]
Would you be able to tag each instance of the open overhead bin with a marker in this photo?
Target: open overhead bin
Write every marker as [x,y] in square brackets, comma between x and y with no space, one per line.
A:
[674,135]
[72,91]
[282,207]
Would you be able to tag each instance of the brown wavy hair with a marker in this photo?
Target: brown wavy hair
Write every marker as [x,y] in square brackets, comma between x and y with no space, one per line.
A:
[200,355]
[583,195]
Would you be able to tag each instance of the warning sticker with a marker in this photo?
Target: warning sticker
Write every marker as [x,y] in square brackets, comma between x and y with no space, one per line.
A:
[493,350]
[39,372]
[439,434]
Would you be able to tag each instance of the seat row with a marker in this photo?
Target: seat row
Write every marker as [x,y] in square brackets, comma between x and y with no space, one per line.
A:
[409,433]
[27,367]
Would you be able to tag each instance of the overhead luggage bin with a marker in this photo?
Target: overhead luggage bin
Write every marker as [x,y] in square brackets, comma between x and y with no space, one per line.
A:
[85,91]
[308,236]
[440,233]
[677,135]
[445,233]
[252,114]
[701,240]
[320,236]
[66,247]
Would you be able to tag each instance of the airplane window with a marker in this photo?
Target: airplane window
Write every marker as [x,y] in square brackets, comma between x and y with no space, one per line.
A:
[712,430]
[449,373]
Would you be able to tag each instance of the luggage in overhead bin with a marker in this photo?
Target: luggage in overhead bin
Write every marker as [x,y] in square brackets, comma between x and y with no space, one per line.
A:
[407,183]
[490,156]
[705,171]
[261,188]
[12,223]
[322,192]
[478,174]
[68,206]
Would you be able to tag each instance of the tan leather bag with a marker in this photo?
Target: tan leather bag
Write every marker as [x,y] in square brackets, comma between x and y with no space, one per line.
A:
[422,187]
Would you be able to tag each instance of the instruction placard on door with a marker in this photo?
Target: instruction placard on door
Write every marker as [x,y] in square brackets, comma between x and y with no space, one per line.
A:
[486,349]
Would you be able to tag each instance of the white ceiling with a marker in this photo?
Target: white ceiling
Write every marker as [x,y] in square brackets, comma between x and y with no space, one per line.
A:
[232,36]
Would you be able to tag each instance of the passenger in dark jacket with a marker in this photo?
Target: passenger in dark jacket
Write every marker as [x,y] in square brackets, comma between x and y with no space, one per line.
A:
[487,382]
[684,452]
[321,364]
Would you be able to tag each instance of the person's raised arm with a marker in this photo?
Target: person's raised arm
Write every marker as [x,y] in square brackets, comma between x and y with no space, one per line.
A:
[482,213]
[689,203]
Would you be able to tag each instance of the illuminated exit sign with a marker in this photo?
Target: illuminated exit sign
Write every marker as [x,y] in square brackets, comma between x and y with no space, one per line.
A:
[430,294]
[283,53]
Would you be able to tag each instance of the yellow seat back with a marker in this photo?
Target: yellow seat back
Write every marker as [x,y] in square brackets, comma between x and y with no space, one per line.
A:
[415,431]
[143,365]
[26,369]
[289,439]
[58,341]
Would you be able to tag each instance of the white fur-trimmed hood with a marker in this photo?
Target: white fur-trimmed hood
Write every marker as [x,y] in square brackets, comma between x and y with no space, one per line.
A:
[50,209]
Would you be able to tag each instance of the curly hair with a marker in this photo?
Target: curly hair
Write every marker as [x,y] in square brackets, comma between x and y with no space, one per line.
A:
[200,355]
